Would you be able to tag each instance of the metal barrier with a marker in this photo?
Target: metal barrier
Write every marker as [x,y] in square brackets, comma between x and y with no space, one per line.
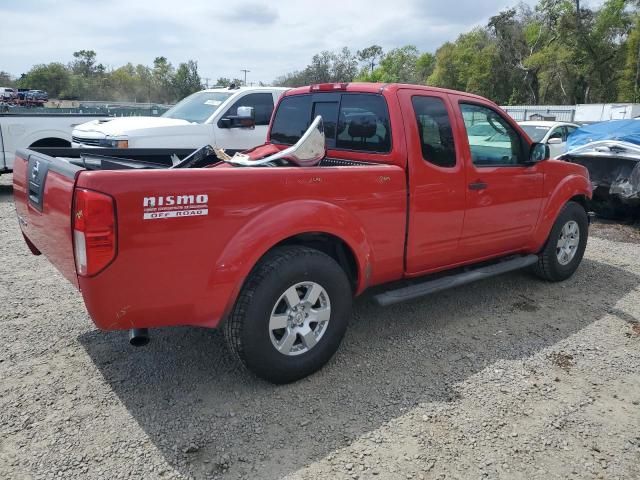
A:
[90,108]
[558,113]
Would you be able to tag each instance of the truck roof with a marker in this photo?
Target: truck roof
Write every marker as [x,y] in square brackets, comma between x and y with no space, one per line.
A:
[368,87]
[240,89]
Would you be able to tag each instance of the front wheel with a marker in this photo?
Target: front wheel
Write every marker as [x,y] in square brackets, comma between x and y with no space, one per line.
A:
[565,246]
[291,314]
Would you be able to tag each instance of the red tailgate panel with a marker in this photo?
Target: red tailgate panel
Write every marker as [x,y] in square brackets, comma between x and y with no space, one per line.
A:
[48,230]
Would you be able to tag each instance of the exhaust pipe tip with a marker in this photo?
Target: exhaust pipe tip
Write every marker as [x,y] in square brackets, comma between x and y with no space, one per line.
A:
[139,337]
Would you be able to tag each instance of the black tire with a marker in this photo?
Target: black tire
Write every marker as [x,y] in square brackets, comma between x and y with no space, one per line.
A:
[247,330]
[549,266]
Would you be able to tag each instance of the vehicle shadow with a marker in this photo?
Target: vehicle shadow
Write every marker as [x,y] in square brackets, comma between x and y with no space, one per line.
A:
[6,193]
[208,416]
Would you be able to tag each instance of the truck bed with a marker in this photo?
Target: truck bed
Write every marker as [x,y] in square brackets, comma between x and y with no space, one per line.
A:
[173,262]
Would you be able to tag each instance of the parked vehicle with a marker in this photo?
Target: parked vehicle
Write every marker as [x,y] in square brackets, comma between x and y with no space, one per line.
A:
[611,153]
[35,130]
[358,185]
[38,97]
[554,134]
[206,117]
[8,94]
[30,98]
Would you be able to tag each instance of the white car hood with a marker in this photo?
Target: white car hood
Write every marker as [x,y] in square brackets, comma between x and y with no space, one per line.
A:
[126,125]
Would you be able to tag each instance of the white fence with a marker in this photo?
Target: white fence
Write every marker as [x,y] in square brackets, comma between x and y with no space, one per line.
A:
[596,112]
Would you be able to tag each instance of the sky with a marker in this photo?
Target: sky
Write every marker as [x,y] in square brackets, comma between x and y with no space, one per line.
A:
[268,38]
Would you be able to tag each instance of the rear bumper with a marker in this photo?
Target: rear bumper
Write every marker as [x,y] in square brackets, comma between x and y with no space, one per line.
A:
[112,304]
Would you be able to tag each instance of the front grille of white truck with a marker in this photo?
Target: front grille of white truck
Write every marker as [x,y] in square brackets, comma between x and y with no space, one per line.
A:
[91,142]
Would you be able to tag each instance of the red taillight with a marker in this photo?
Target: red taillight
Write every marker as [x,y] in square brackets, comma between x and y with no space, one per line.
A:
[328,87]
[94,231]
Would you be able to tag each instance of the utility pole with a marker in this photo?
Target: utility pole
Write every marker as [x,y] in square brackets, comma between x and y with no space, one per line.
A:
[245,75]
[206,82]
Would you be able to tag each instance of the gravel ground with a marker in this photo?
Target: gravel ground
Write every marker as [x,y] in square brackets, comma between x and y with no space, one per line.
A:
[508,378]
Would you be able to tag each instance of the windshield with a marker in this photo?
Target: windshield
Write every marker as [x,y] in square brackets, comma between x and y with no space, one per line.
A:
[197,108]
[536,132]
[499,137]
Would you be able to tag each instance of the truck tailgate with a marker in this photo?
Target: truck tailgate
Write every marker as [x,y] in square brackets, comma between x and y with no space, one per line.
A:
[43,189]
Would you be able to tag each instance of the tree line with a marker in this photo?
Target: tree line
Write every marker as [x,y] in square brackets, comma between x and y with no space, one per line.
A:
[85,79]
[558,52]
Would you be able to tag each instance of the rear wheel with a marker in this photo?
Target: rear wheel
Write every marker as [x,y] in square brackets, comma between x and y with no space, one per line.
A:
[291,314]
[565,246]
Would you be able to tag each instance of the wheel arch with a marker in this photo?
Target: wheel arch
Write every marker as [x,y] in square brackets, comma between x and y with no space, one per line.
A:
[316,224]
[580,199]
[331,245]
[52,142]
[574,188]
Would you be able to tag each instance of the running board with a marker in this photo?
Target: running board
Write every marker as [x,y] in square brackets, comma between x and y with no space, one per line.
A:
[428,287]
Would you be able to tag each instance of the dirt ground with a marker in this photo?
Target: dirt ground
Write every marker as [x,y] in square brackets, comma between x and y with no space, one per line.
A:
[509,378]
[618,232]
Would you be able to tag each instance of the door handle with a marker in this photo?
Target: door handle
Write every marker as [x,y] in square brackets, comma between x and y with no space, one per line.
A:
[477,186]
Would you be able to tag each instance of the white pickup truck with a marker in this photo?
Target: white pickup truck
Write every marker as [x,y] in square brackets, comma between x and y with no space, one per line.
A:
[35,130]
[208,117]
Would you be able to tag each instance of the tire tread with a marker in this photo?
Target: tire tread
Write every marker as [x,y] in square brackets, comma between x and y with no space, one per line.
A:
[270,263]
[545,268]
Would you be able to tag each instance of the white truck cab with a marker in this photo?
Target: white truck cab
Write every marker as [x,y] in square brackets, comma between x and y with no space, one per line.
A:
[207,117]
[554,134]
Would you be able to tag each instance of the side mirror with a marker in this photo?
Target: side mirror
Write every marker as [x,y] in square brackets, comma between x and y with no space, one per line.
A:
[245,118]
[554,141]
[245,113]
[538,153]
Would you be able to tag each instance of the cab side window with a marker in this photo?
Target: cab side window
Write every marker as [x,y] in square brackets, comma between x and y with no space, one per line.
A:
[434,128]
[501,147]
[558,133]
[262,104]
[570,130]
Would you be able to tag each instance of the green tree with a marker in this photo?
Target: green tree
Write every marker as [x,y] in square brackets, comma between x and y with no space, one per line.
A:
[227,82]
[582,62]
[397,65]
[518,36]
[55,78]
[325,67]
[370,55]
[163,73]
[186,79]
[630,75]
[425,65]
[470,64]
[123,83]
[85,63]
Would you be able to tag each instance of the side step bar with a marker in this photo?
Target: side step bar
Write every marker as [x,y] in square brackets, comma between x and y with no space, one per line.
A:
[428,287]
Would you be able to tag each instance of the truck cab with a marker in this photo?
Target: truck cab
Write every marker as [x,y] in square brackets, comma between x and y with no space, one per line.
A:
[205,117]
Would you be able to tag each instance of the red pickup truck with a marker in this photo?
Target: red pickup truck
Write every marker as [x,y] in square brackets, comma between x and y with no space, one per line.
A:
[407,195]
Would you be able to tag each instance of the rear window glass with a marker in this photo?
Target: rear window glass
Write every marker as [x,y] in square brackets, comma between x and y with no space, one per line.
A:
[329,113]
[357,122]
[292,119]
